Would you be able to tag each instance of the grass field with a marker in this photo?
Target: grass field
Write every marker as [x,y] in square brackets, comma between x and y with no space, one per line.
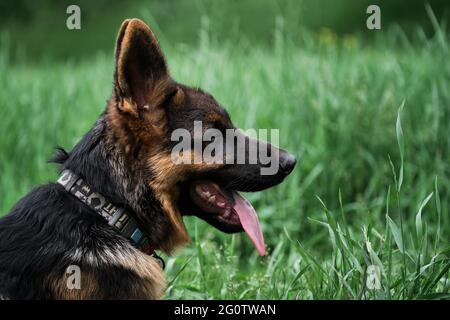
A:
[372,186]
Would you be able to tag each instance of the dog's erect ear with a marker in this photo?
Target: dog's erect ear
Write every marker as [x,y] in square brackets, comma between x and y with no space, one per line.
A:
[141,76]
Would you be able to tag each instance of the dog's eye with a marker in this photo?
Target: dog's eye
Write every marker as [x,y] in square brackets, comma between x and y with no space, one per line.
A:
[219,126]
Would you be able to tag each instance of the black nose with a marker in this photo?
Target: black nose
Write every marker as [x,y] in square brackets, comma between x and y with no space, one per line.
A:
[287,163]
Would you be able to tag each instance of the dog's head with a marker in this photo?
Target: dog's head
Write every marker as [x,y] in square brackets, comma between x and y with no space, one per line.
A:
[158,121]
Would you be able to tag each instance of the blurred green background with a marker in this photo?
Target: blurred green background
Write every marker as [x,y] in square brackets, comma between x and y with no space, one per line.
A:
[372,186]
[37,27]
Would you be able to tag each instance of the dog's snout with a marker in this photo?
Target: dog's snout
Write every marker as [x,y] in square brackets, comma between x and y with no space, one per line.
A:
[287,163]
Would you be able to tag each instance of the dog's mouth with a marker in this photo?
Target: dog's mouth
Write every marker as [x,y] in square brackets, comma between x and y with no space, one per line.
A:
[227,210]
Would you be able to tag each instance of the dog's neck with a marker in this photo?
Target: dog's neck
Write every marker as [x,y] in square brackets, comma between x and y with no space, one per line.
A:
[100,161]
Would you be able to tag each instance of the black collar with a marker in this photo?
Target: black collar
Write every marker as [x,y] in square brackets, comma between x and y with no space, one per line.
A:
[116,217]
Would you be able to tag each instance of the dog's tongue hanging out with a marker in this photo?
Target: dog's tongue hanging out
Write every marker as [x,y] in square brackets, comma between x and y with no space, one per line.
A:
[249,220]
[229,206]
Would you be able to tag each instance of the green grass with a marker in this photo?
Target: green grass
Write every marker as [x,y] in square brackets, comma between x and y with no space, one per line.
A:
[368,123]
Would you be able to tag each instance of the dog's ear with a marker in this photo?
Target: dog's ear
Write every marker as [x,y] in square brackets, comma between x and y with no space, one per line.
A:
[141,76]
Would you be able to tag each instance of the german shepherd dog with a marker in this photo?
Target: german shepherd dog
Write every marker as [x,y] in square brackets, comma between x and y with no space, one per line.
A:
[121,196]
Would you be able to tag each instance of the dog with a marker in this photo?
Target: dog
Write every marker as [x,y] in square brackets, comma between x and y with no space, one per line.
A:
[121,197]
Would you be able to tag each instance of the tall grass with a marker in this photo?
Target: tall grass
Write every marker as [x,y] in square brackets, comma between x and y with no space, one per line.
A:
[368,123]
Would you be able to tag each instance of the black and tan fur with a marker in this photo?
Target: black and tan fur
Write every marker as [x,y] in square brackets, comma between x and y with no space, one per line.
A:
[126,157]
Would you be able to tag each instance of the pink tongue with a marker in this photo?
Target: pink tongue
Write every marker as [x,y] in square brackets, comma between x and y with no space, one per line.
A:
[249,220]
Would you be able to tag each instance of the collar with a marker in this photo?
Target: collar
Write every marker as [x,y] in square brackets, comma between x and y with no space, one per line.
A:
[116,217]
